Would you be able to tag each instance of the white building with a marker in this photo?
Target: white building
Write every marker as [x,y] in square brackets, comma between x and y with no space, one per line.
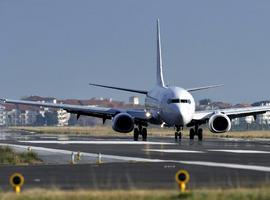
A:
[3,116]
[264,119]
[134,100]
[63,117]
[235,121]
[243,120]
[248,119]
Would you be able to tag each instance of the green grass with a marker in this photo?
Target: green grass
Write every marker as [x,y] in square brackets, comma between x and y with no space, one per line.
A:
[74,130]
[107,131]
[9,157]
[203,194]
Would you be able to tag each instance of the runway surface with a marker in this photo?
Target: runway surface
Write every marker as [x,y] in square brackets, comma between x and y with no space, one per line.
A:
[129,164]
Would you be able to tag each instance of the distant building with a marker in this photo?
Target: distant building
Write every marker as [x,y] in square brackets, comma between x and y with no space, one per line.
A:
[243,120]
[248,119]
[235,121]
[263,119]
[62,117]
[3,116]
[134,100]
[13,117]
[28,117]
[42,100]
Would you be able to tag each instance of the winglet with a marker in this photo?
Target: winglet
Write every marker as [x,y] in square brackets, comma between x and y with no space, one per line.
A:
[160,81]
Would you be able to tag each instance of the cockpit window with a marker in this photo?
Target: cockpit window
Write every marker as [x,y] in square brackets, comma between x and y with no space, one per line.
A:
[185,101]
[175,101]
[179,101]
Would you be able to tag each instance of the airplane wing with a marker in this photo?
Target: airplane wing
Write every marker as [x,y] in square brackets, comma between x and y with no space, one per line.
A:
[203,88]
[202,116]
[94,111]
[120,88]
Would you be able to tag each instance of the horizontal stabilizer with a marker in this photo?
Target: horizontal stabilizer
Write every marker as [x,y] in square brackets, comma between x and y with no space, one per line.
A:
[119,88]
[203,88]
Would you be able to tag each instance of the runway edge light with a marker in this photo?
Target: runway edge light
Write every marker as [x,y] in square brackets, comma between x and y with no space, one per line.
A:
[182,178]
[16,180]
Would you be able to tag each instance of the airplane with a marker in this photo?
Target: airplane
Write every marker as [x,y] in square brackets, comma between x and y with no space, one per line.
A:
[169,106]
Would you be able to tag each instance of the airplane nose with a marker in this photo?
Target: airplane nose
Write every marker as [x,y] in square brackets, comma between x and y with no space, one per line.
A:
[179,117]
[183,117]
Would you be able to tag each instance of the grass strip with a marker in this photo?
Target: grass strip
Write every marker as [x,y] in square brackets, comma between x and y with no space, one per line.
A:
[107,131]
[203,194]
[9,157]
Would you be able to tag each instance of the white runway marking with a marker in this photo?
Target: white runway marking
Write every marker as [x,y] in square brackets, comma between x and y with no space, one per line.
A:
[246,139]
[173,151]
[135,159]
[228,165]
[239,151]
[67,152]
[49,137]
[29,132]
[92,142]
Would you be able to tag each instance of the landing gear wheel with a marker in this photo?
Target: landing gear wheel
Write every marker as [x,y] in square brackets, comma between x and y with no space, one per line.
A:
[191,134]
[136,134]
[179,135]
[144,134]
[200,134]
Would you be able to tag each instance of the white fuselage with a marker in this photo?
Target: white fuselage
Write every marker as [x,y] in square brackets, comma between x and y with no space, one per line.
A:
[173,106]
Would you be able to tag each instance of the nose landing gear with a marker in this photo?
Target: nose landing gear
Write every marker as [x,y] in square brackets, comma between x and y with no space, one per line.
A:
[178,134]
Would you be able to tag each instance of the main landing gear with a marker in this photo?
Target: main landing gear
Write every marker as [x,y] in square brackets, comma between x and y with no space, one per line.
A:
[196,131]
[140,131]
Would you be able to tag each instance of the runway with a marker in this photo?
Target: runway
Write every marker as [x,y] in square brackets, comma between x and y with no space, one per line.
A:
[129,164]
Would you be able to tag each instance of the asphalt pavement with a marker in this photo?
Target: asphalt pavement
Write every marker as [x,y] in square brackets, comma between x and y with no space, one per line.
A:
[120,163]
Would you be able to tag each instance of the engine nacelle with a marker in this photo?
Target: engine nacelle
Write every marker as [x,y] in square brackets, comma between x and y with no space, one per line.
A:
[219,123]
[123,123]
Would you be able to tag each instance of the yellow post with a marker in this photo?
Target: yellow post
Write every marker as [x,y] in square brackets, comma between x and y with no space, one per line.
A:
[17,189]
[16,180]
[182,178]
[78,156]
[182,187]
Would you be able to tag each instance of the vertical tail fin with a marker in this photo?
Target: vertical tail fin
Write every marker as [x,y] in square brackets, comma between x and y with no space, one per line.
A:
[160,81]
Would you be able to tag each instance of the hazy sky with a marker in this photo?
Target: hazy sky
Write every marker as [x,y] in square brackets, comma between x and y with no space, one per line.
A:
[56,47]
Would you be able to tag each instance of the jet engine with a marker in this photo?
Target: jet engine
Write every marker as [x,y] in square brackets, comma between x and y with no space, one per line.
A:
[219,123]
[123,123]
